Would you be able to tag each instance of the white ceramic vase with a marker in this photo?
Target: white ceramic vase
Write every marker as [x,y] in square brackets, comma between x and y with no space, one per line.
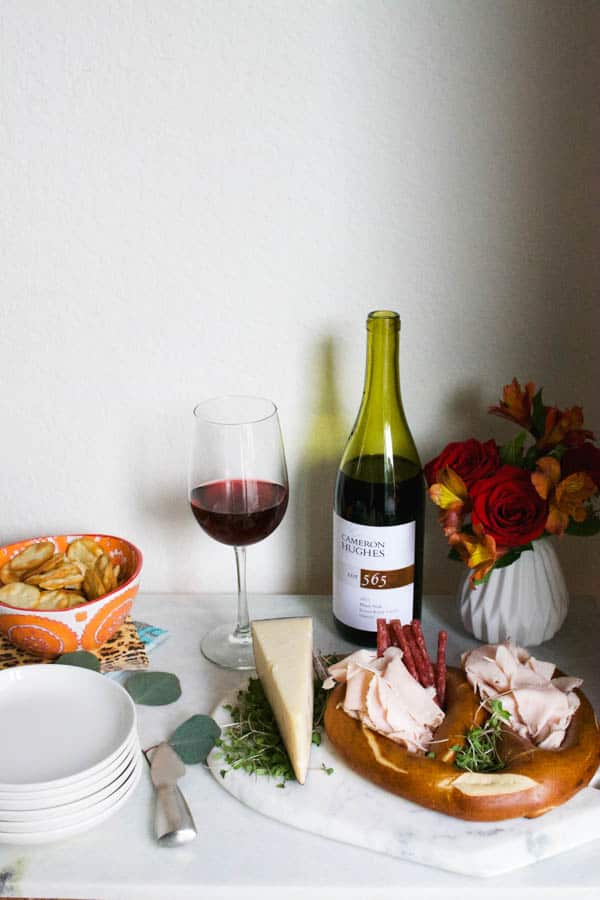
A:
[526,601]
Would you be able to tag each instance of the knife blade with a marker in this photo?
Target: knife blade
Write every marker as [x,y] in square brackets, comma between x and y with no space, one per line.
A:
[173,821]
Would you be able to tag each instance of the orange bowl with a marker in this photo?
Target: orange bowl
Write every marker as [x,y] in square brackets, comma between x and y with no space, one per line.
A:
[51,632]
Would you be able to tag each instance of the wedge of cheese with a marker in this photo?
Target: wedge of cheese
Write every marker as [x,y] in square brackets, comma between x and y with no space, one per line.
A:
[283,654]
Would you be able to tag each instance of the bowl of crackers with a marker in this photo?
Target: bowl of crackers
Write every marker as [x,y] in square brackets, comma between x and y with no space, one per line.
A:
[66,592]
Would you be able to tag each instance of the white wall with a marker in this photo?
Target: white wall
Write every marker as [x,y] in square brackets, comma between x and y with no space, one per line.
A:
[204,197]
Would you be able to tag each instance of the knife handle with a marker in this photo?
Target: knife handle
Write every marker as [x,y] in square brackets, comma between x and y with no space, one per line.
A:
[173,822]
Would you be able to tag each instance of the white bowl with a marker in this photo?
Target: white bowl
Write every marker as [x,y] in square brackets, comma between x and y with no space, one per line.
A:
[55,809]
[60,725]
[23,800]
[59,833]
[77,816]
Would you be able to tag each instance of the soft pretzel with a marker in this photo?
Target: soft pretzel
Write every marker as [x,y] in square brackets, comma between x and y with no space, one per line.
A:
[531,783]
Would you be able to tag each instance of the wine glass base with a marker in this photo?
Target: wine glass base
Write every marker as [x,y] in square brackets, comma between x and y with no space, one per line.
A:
[222,647]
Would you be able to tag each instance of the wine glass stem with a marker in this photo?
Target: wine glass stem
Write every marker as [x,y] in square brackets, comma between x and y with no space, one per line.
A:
[242,629]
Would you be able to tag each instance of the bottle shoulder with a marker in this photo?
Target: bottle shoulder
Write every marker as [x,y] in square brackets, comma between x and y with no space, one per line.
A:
[379,468]
[377,435]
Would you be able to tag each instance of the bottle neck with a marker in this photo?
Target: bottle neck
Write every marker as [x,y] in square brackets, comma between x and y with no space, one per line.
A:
[382,374]
[380,441]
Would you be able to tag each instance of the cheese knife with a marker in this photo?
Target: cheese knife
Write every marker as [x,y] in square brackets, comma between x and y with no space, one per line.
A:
[173,821]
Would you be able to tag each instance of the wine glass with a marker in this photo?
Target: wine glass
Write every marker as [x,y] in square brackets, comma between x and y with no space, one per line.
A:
[238,491]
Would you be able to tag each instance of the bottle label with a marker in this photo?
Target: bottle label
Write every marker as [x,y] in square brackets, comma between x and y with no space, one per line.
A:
[373,573]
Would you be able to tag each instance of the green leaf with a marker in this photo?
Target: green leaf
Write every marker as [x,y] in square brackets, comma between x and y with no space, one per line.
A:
[79,658]
[511,454]
[587,528]
[499,710]
[538,415]
[511,556]
[195,738]
[485,578]
[153,688]
[454,554]
[557,452]
[531,458]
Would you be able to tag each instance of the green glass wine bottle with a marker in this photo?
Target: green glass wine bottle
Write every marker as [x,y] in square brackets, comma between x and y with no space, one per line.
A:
[379,506]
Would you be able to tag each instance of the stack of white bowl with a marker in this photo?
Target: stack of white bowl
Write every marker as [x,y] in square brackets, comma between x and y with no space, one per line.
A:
[69,752]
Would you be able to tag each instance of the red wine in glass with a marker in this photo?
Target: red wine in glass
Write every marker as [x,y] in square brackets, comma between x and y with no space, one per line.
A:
[239,511]
[238,493]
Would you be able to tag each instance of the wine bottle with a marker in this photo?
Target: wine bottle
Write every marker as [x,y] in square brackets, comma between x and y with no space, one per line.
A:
[379,506]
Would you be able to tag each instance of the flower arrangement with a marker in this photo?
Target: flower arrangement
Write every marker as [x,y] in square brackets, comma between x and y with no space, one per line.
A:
[496,500]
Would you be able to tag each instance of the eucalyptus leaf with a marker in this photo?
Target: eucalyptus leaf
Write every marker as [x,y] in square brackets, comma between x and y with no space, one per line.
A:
[153,688]
[587,528]
[80,658]
[194,739]
[511,454]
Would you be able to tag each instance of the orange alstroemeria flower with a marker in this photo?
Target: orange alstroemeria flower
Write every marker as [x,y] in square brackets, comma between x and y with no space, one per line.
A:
[564,427]
[478,551]
[515,404]
[566,498]
[450,493]
[547,476]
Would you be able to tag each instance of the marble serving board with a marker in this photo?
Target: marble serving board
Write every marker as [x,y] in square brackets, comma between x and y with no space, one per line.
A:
[345,807]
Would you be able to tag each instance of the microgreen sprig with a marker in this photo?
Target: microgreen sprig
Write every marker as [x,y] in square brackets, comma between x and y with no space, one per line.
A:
[252,741]
[480,751]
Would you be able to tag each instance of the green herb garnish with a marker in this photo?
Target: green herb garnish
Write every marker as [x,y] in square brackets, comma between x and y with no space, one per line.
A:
[253,742]
[480,750]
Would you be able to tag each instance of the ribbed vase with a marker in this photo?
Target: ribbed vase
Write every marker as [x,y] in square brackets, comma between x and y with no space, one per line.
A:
[526,601]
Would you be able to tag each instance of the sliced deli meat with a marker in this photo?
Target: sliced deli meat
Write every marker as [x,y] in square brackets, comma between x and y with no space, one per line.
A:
[541,707]
[383,695]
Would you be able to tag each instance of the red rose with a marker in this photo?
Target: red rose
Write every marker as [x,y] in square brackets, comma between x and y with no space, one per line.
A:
[585,458]
[507,506]
[469,459]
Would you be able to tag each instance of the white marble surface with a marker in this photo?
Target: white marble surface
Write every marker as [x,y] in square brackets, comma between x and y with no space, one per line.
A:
[241,854]
[346,808]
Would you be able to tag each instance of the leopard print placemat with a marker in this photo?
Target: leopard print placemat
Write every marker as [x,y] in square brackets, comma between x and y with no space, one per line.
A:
[123,651]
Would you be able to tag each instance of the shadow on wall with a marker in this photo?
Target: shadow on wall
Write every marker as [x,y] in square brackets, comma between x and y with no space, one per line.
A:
[327,431]
[465,405]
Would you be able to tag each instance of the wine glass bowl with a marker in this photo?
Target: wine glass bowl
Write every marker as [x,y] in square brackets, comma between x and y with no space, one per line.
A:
[238,494]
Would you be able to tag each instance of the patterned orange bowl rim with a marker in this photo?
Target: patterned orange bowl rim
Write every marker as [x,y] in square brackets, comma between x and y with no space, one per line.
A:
[57,537]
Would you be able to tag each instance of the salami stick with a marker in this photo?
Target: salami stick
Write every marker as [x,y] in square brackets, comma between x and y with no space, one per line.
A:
[407,656]
[383,637]
[392,634]
[420,641]
[416,655]
[440,669]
